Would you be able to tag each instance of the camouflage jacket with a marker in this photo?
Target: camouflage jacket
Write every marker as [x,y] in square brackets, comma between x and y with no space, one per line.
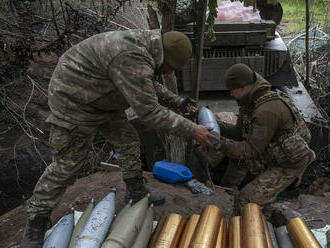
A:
[269,129]
[109,72]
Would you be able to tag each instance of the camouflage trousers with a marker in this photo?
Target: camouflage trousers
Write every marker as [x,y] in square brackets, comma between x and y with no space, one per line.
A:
[265,188]
[70,148]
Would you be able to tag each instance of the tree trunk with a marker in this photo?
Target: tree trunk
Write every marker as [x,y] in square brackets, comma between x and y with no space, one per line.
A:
[307,45]
[167,9]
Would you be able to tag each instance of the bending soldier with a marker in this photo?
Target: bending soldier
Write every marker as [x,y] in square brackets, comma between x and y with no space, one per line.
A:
[92,85]
[270,139]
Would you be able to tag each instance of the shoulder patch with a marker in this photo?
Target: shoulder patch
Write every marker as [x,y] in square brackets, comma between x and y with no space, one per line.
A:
[259,132]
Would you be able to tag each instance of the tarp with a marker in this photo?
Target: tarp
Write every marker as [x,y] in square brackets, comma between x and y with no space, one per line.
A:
[321,235]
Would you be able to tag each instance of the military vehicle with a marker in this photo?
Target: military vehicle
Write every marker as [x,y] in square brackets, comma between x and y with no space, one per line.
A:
[259,45]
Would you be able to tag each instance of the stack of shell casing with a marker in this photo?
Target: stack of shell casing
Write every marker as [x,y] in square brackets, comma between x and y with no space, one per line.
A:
[251,230]
[207,230]
[253,233]
[89,231]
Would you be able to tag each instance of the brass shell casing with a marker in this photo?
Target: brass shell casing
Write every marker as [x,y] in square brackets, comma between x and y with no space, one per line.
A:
[300,234]
[234,240]
[253,233]
[170,233]
[221,241]
[156,232]
[189,231]
[267,233]
[207,228]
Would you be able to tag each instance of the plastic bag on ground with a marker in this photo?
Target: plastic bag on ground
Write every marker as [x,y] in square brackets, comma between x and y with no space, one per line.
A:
[236,12]
[197,187]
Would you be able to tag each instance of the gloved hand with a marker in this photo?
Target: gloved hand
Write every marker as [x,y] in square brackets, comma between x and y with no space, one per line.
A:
[188,106]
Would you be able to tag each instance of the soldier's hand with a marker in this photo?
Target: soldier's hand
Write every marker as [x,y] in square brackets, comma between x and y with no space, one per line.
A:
[188,106]
[203,136]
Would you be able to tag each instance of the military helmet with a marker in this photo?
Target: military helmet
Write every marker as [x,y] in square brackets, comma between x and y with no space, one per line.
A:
[238,76]
[177,49]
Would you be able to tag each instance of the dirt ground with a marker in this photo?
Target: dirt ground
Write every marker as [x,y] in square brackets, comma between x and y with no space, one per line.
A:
[314,209]
[179,200]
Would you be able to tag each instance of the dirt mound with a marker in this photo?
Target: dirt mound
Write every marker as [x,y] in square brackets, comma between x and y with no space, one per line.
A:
[24,151]
[179,200]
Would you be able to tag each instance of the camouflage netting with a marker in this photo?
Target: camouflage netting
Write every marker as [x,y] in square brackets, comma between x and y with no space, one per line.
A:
[319,57]
[319,82]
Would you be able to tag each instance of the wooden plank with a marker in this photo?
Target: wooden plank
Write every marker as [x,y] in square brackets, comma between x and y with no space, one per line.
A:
[197,62]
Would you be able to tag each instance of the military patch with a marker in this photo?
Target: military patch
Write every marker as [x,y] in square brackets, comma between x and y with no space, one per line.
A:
[259,132]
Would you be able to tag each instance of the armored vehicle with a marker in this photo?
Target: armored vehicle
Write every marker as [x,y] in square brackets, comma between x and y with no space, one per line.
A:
[259,45]
[255,43]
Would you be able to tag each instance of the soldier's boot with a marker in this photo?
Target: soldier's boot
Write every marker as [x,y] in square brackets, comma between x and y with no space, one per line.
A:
[34,232]
[136,190]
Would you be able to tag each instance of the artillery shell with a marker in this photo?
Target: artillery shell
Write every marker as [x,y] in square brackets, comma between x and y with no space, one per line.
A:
[157,231]
[283,238]
[301,236]
[61,235]
[188,231]
[119,215]
[221,241]
[267,233]
[170,233]
[272,235]
[98,223]
[146,229]
[253,233]
[207,228]
[126,231]
[81,223]
[234,240]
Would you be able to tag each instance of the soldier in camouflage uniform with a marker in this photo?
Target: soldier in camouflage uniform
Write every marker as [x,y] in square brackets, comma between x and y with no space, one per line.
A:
[270,139]
[93,84]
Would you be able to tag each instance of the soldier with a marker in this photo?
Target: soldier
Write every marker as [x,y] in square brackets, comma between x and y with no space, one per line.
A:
[92,85]
[270,139]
